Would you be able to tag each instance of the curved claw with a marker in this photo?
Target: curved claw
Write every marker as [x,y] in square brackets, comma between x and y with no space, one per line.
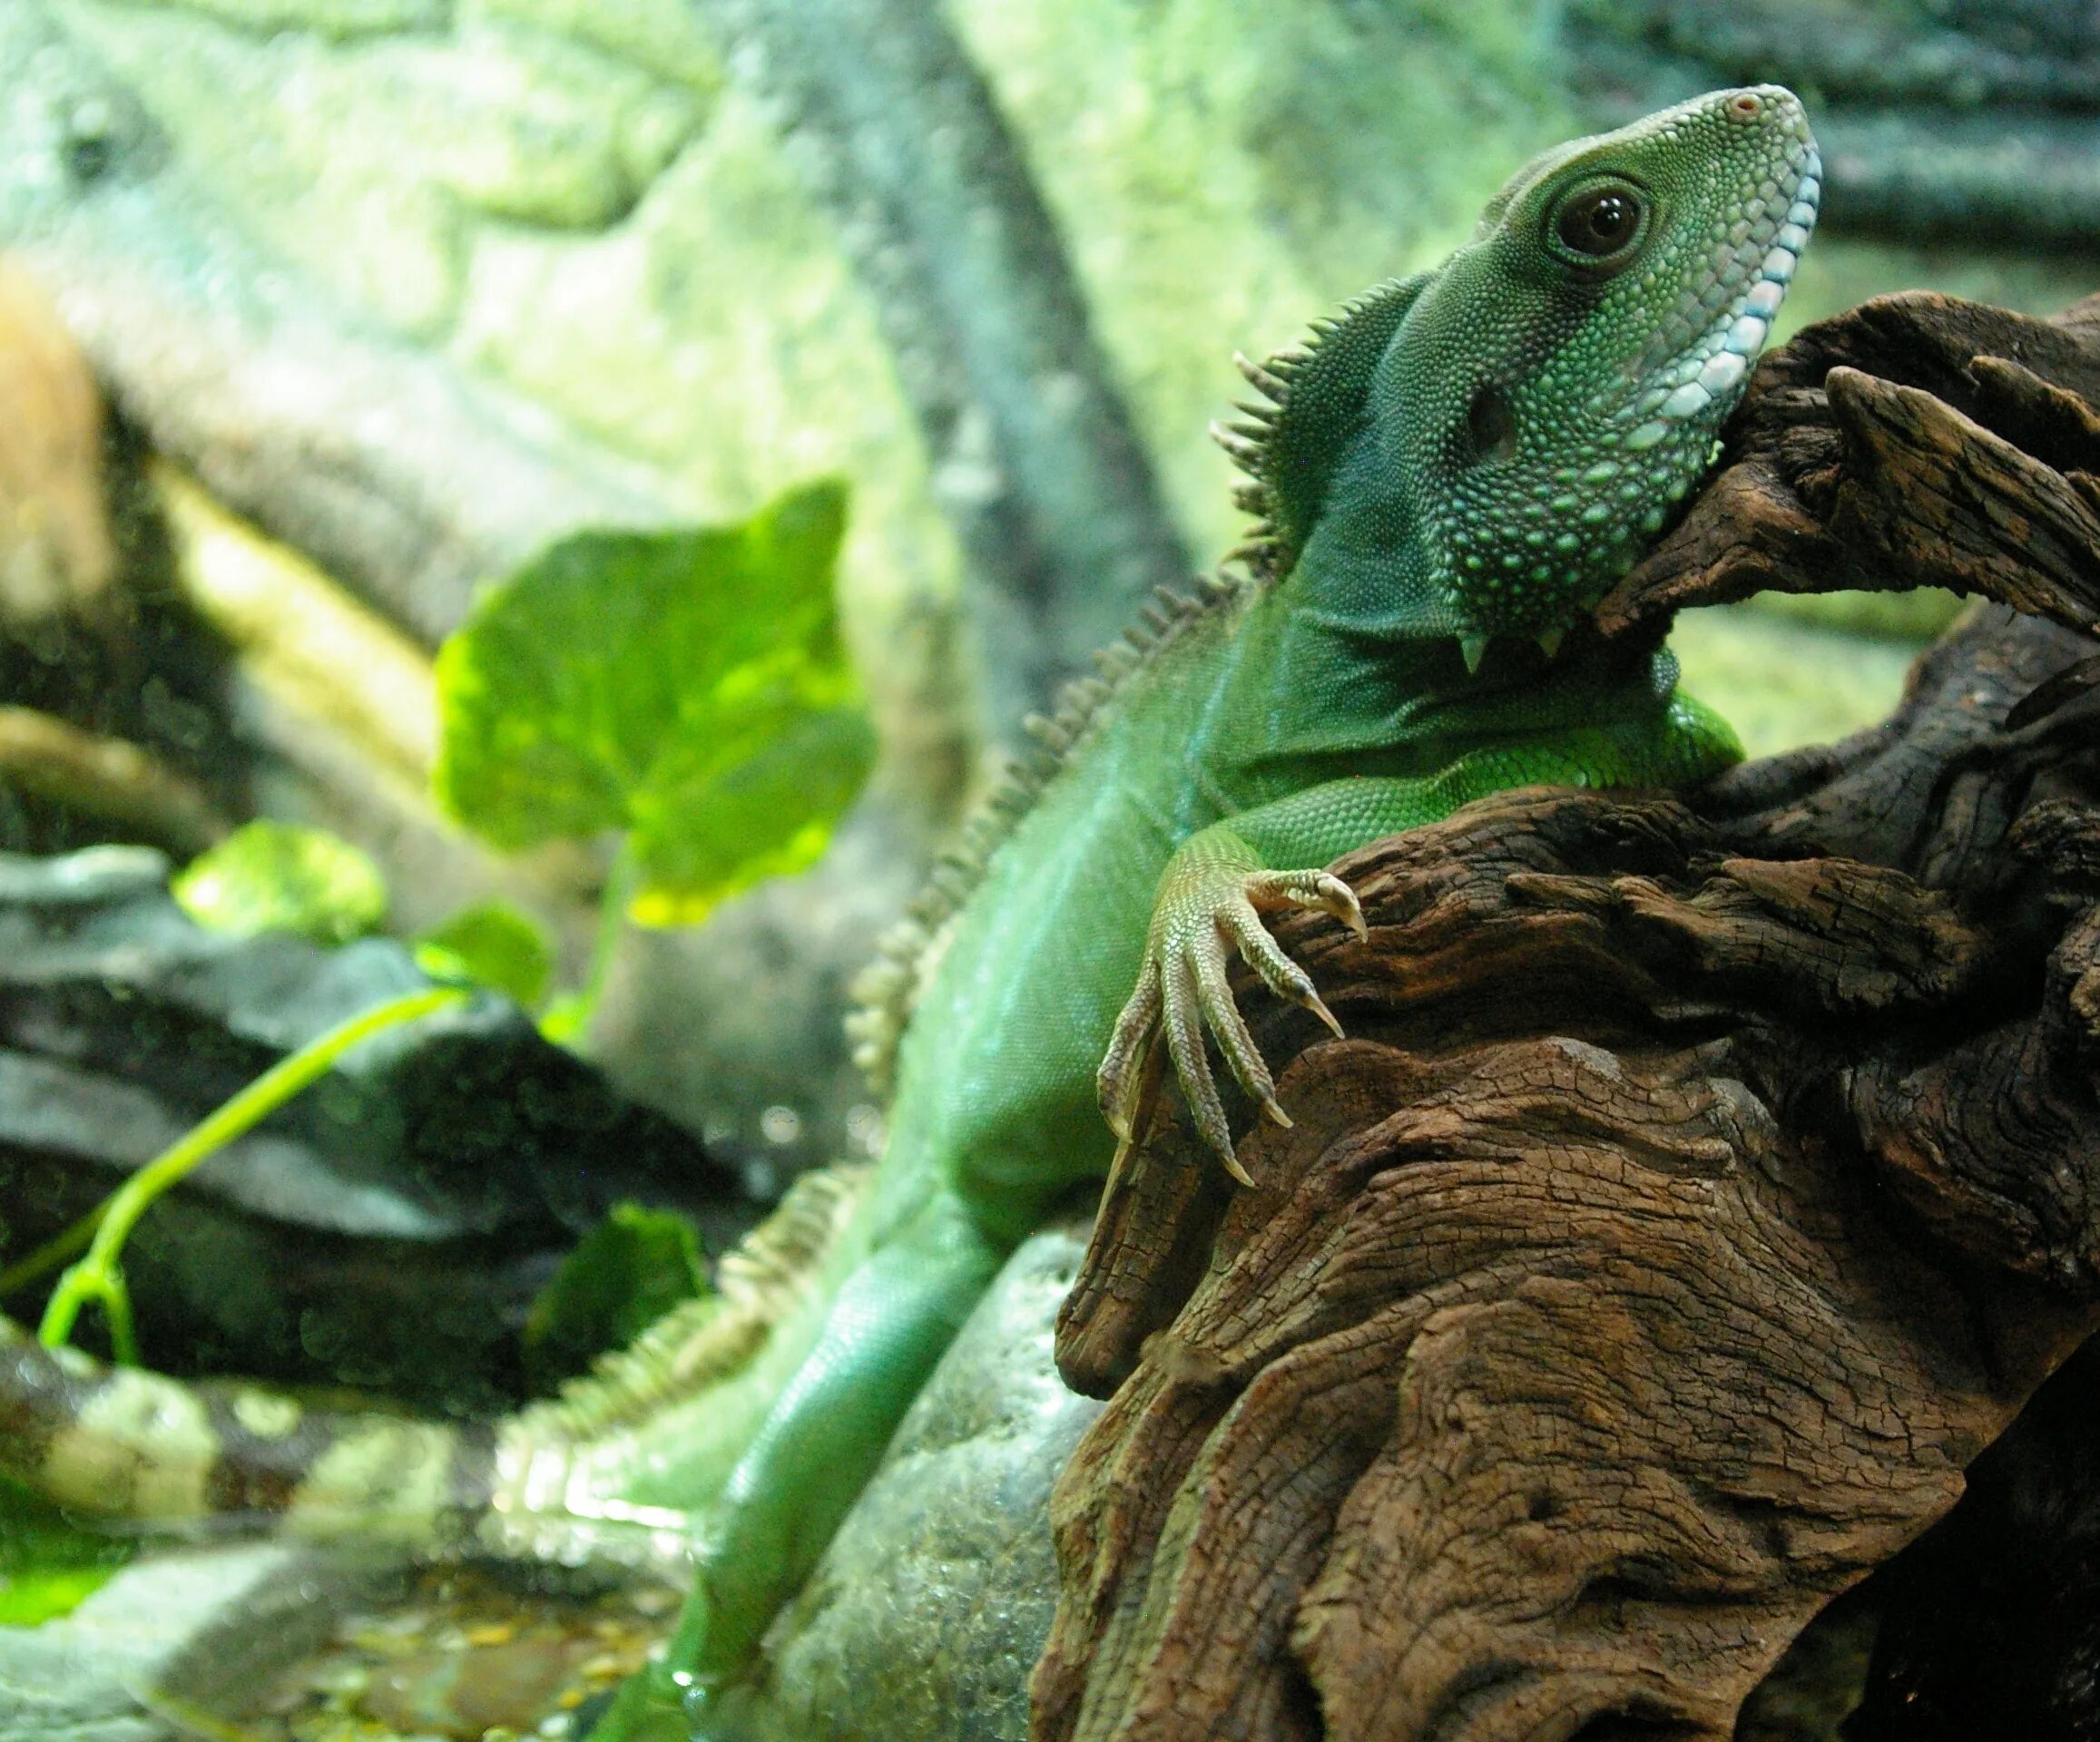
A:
[1182,991]
[1121,1079]
[1269,890]
[1279,973]
[1185,1001]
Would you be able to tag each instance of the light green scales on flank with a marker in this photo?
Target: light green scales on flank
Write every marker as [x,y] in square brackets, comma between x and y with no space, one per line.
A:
[1447,477]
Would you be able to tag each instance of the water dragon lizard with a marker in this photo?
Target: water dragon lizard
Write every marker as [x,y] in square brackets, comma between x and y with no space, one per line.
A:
[1446,477]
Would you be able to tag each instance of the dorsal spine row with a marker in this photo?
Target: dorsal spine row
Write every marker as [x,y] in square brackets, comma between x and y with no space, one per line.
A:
[886,991]
[1262,549]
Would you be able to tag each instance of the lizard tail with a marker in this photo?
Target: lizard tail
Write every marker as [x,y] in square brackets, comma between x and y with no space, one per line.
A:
[574,1478]
[151,1452]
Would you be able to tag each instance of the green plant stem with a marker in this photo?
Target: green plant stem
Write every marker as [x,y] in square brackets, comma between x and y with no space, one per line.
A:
[98,1276]
[568,1019]
[53,1253]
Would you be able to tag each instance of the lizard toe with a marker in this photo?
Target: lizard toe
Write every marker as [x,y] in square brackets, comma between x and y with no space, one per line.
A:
[1320,889]
[1279,973]
[1120,1082]
[1184,1033]
[1221,1011]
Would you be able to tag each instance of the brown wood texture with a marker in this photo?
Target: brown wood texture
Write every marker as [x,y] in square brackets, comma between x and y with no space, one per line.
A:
[1702,1183]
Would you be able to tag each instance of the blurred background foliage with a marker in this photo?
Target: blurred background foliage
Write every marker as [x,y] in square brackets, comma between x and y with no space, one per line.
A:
[331,328]
[387,296]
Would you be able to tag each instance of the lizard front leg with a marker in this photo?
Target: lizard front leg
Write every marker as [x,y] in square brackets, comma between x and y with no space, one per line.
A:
[1209,901]
[1221,877]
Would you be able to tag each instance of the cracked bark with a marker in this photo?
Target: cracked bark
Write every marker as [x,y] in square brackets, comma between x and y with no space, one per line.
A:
[1703,1183]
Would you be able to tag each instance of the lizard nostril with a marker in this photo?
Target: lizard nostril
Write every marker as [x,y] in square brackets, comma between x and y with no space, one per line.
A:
[1745,105]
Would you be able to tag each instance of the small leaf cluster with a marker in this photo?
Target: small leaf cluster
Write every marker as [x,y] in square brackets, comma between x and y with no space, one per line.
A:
[269,875]
[621,1278]
[688,688]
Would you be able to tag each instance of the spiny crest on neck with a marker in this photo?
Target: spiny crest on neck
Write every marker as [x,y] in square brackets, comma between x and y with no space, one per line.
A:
[887,990]
[1313,405]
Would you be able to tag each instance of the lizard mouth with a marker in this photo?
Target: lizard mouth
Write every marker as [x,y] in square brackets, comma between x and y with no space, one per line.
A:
[1710,367]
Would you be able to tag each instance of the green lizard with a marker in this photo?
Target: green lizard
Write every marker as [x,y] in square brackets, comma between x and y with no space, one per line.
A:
[1448,476]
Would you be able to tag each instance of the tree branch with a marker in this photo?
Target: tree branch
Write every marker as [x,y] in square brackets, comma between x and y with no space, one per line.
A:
[1701,1186]
[1035,458]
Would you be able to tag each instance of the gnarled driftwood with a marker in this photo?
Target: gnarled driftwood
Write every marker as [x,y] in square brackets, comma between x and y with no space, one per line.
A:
[1703,1184]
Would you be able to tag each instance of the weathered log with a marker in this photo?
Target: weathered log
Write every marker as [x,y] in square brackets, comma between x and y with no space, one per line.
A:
[1703,1184]
[1988,1625]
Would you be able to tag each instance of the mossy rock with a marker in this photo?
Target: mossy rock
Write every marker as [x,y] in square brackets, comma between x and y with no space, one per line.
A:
[929,1611]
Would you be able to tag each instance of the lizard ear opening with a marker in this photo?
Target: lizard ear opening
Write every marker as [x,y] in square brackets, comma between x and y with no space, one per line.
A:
[1491,425]
[1314,406]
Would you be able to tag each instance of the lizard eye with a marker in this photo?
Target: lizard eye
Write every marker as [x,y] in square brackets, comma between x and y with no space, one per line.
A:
[1601,220]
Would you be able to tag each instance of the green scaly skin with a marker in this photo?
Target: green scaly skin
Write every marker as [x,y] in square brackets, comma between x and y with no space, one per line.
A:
[1451,474]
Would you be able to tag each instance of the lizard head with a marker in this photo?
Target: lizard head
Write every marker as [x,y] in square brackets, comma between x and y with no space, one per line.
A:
[1482,449]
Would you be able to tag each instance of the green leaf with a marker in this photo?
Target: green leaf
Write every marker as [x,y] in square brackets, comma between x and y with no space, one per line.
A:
[765,810]
[48,1565]
[687,685]
[493,943]
[624,1275]
[269,877]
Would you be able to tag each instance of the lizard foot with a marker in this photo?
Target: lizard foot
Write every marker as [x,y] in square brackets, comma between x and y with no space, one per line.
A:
[1204,906]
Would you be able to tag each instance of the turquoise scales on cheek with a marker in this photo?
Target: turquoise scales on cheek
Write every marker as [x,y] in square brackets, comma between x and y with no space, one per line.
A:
[1448,476]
